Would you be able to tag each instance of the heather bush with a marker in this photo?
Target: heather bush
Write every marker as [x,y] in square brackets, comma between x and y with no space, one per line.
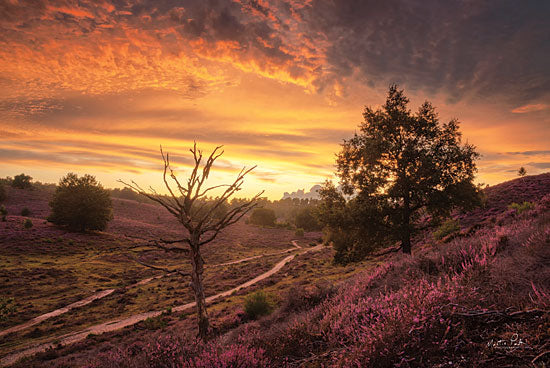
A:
[22,181]
[450,226]
[170,351]
[258,304]
[299,232]
[302,298]
[25,212]
[27,224]
[81,204]
[263,217]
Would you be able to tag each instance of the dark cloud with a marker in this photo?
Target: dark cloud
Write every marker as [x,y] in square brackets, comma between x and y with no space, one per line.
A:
[540,165]
[529,153]
[461,48]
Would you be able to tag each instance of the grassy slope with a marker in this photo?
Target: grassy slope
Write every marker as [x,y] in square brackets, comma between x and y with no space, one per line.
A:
[454,304]
[44,268]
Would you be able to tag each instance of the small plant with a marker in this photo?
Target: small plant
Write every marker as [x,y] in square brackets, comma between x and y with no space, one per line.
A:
[257,305]
[521,207]
[25,212]
[27,224]
[299,232]
[449,227]
[155,323]
[7,307]
[3,213]
[522,172]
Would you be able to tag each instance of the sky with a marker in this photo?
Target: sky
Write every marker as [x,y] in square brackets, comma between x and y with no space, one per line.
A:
[97,86]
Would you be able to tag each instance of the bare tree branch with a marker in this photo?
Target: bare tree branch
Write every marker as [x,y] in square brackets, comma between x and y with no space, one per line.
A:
[197,214]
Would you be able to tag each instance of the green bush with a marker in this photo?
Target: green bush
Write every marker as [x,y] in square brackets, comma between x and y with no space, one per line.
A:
[155,323]
[3,213]
[81,204]
[257,305]
[7,307]
[449,227]
[25,212]
[299,232]
[263,217]
[27,224]
[3,194]
[521,207]
[22,181]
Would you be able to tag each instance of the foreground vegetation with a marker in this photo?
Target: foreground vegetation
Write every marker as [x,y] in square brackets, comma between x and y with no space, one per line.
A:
[482,297]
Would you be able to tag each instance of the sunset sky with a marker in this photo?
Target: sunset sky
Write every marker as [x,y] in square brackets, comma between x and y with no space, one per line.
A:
[96,86]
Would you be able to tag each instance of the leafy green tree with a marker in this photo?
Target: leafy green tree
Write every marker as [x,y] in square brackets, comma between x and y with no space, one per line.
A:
[263,217]
[81,204]
[401,166]
[22,181]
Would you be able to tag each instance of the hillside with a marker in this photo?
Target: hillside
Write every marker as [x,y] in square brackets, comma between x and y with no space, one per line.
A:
[480,299]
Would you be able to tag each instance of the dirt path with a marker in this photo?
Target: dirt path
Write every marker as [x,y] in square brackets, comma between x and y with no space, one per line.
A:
[129,321]
[104,293]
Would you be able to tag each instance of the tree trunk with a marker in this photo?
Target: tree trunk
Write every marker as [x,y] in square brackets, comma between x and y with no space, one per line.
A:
[406,242]
[196,284]
[406,231]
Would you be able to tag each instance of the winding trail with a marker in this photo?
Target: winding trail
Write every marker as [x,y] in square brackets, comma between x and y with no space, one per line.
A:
[103,293]
[117,324]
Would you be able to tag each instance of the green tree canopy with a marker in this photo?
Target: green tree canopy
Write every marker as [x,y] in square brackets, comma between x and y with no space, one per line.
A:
[263,217]
[81,203]
[22,181]
[305,219]
[399,167]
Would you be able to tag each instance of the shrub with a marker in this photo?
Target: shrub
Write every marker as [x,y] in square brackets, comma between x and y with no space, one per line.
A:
[299,232]
[155,323]
[3,194]
[306,220]
[27,224]
[449,227]
[3,213]
[263,217]
[302,298]
[521,207]
[25,212]
[257,304]
[22,181]
[81,204]
[7,307]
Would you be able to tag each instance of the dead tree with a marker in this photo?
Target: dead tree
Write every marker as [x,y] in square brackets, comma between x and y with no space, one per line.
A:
[199,216]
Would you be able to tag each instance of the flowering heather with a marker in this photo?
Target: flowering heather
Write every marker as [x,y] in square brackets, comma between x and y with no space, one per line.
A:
[169,351]
[425,310]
